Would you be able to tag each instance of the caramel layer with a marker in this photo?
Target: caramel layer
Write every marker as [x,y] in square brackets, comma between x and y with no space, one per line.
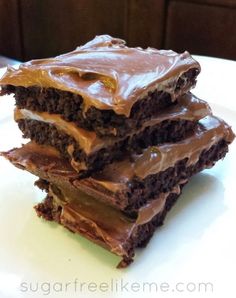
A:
[188,107]
[107,74]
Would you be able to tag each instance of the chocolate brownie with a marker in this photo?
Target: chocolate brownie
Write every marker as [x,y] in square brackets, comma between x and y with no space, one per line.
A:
[115,135]
[103,86]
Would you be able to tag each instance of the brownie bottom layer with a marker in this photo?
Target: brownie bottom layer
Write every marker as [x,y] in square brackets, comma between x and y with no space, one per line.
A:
[140,236]
[47,134]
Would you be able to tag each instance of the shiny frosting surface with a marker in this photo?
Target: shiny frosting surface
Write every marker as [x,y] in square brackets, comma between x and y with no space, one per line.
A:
[106,73]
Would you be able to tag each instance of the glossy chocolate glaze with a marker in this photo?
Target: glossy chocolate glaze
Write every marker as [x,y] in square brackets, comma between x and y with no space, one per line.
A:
[189,107]
[107,74]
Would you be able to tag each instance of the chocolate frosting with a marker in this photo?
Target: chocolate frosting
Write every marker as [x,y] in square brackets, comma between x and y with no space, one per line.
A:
[107,74]
[189,107]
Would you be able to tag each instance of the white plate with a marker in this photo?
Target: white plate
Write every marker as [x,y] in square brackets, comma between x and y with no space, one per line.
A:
[195,246]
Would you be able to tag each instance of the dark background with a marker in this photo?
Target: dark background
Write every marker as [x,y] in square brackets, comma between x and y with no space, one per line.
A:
[41,28]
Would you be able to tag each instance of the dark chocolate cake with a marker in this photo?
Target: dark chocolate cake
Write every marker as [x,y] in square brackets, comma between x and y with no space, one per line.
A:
[115,135]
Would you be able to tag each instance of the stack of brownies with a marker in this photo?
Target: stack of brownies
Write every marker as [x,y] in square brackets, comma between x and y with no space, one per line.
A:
[115,135]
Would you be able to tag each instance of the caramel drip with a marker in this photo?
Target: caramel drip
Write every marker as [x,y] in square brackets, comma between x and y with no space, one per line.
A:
[107,74]
[188,107]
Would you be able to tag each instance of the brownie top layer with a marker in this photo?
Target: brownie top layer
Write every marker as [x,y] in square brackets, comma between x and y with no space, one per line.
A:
[107,74]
